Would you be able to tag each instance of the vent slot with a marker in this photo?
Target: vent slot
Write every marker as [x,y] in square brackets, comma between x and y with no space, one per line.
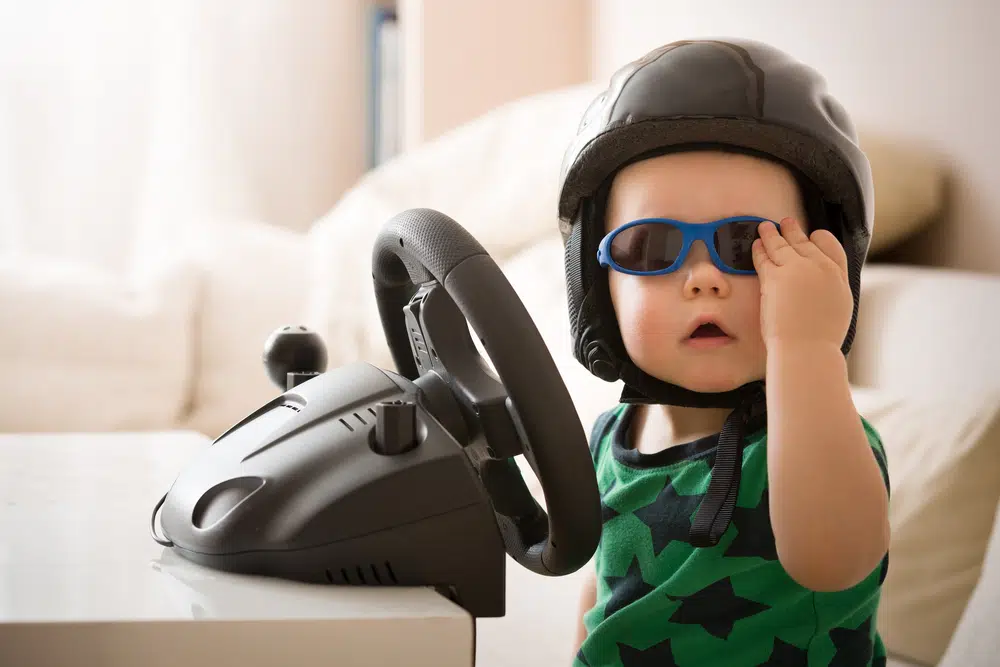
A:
[360,419]
[360,575]
[349,427]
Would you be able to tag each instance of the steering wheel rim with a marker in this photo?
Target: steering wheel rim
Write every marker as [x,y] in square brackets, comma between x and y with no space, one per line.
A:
[420,246]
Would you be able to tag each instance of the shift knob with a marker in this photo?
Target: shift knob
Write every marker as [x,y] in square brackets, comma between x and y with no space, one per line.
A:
[293,354]
[395,427]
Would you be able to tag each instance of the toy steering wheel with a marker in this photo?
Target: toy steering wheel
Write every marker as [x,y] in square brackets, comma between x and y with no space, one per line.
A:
[431,269]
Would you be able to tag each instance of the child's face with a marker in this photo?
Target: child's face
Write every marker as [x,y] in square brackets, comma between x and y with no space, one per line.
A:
[656,314]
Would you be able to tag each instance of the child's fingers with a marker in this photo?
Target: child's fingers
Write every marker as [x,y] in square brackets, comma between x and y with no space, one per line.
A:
[830,247]
[761,261]
[792,231]
[779,251]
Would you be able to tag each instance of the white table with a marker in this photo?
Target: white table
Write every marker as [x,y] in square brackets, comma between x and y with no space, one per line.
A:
[83,583]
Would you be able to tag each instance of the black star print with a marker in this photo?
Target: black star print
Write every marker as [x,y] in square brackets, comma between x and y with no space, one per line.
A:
[626,590]
[669,517]
[754,537]
[716,608]
[786,655]
[608,513]
[658,655]
[854,647]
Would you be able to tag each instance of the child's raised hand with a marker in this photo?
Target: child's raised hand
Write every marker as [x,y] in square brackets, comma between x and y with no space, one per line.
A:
[805,293]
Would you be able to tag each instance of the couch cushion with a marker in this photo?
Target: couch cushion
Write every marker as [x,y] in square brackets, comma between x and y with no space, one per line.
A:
[497,176]
[923,329]
[83,349]
[910,182]
[944,466]
[976,642]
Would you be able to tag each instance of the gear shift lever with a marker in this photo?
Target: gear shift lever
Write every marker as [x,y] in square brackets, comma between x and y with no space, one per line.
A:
[292,355]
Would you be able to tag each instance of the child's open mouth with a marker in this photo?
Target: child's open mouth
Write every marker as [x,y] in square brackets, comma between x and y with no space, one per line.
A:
[708,334]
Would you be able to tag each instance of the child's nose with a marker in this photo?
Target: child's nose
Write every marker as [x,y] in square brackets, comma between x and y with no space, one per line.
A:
[701,275]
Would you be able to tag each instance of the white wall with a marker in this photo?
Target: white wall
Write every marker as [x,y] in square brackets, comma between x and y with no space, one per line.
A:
[461,59]
[921,69]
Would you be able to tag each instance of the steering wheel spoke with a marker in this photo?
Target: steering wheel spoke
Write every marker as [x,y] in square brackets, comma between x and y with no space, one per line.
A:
[440,343]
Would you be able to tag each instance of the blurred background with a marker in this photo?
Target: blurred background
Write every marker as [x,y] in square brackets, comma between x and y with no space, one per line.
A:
[120,115]
[179,179]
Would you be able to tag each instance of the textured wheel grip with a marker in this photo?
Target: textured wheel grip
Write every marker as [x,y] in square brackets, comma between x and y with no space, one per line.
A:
[420,245]
[414,247]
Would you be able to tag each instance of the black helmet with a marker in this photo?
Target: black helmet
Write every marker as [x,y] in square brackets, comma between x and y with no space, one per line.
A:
[728,94]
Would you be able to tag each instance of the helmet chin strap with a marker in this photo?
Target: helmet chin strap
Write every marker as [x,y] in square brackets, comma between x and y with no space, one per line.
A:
[601,350]
[749,411]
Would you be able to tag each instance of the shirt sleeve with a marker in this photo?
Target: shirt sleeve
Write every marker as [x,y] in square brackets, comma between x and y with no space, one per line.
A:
[878,449]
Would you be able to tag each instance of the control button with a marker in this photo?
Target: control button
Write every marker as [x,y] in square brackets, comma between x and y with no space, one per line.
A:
[395,427]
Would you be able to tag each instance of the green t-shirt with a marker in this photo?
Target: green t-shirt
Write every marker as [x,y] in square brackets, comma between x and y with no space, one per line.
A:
[664,603]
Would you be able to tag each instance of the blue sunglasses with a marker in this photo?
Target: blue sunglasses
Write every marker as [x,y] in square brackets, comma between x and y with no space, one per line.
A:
[654,246]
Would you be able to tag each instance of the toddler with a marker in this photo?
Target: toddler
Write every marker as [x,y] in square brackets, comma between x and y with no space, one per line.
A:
[716,211]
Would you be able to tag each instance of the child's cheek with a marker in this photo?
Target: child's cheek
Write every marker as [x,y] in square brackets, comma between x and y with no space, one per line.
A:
[643,308]
[746,302]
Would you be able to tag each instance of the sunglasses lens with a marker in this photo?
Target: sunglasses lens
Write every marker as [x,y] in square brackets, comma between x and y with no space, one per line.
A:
[646,247]
[734,243]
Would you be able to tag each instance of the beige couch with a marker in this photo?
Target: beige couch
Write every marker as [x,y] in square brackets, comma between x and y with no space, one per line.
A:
[179,348]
